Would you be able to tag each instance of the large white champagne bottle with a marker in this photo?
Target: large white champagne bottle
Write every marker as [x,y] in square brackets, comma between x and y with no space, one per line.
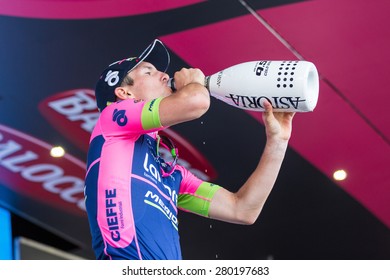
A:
[290,86]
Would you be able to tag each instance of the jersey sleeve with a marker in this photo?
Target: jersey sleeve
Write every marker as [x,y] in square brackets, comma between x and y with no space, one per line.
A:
[130,118]
[195,195]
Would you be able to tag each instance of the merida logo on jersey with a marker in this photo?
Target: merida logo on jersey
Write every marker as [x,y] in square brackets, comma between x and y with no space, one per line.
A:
[112,215]
[119,117]
[155,201]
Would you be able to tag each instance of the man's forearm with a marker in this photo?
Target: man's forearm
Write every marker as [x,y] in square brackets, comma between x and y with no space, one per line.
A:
[252,196]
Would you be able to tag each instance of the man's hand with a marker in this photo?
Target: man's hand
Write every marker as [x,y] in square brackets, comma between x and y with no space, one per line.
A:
[278,124]
[187,76]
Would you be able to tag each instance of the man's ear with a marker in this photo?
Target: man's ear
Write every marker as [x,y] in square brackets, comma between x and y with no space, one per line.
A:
[122,93]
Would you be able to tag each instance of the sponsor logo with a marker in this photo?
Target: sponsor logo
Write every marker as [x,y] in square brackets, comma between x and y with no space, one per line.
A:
[112,78]
[72,113]
[119,116]
[151,105]
[155,201]
[253,102]
[219,78]
[112,215]
[27,168]
[262,68]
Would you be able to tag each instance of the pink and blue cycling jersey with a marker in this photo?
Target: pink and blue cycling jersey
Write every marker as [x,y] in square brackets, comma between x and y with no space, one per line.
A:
[132,209]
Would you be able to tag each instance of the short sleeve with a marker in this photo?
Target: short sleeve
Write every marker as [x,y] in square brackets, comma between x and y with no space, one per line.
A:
[195,195]
[130,118]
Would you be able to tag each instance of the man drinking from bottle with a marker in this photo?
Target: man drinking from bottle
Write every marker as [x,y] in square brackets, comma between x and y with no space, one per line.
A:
[132,195]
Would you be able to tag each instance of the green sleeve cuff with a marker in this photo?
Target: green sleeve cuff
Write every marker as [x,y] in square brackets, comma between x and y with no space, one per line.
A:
[199,202]
[150,116]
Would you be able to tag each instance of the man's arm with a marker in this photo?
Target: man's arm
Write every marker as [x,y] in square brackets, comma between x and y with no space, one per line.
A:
[244,206]
[189,102]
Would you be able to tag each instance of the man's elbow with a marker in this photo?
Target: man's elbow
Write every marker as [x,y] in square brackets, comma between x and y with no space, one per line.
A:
[203,107]
[248,221]
[200,104]
[249,218]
